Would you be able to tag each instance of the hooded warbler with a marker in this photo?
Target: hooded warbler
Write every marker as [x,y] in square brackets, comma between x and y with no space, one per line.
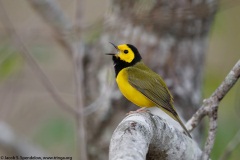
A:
[139,84]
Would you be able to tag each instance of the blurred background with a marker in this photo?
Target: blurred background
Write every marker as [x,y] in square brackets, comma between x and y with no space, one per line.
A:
[28,110]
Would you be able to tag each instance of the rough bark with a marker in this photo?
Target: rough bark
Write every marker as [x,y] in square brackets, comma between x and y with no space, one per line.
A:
[146,136]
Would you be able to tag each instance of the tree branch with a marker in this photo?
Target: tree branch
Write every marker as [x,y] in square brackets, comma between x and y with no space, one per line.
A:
[32,62]
[77,57]
[54,16]
[146,136]
[219,93]
[210,107]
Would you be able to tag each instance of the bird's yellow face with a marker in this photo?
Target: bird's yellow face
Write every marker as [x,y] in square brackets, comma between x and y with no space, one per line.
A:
[125,53]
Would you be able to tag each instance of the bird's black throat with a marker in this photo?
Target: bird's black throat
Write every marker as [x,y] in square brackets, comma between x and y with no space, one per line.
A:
[120,64]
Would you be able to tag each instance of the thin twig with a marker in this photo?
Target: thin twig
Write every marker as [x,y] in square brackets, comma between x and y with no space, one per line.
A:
[79,75]
[210,107]
[79,16]
[220,92]
[78,56]
[52,13]
[211,134]
[32,62]
[78,72]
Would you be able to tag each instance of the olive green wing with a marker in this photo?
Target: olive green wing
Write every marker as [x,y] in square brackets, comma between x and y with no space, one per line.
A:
[152,86]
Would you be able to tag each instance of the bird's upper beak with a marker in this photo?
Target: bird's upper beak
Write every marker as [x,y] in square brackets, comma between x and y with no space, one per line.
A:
[113,54]
[114,45]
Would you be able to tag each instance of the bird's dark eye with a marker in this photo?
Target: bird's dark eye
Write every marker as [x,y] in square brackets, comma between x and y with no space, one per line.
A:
[125,51]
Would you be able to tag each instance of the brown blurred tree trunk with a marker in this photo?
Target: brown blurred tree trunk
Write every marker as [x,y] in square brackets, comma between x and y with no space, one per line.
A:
[172,37]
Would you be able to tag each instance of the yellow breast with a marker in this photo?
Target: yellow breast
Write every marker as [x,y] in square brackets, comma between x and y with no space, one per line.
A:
[130,92]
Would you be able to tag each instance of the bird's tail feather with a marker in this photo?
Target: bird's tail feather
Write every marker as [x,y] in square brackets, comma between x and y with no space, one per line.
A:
[183,126]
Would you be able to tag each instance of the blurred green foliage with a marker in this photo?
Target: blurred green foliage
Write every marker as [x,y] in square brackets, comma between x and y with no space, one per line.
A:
[56,133]
[10,62]
[222,55]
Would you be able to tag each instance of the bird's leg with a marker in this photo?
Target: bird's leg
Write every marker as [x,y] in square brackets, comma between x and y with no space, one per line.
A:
[143,109]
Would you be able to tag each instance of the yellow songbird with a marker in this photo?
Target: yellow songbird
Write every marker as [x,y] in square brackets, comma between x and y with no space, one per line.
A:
[139,84]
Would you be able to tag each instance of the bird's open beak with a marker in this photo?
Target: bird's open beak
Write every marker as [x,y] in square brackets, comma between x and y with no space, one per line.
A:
[112,54]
